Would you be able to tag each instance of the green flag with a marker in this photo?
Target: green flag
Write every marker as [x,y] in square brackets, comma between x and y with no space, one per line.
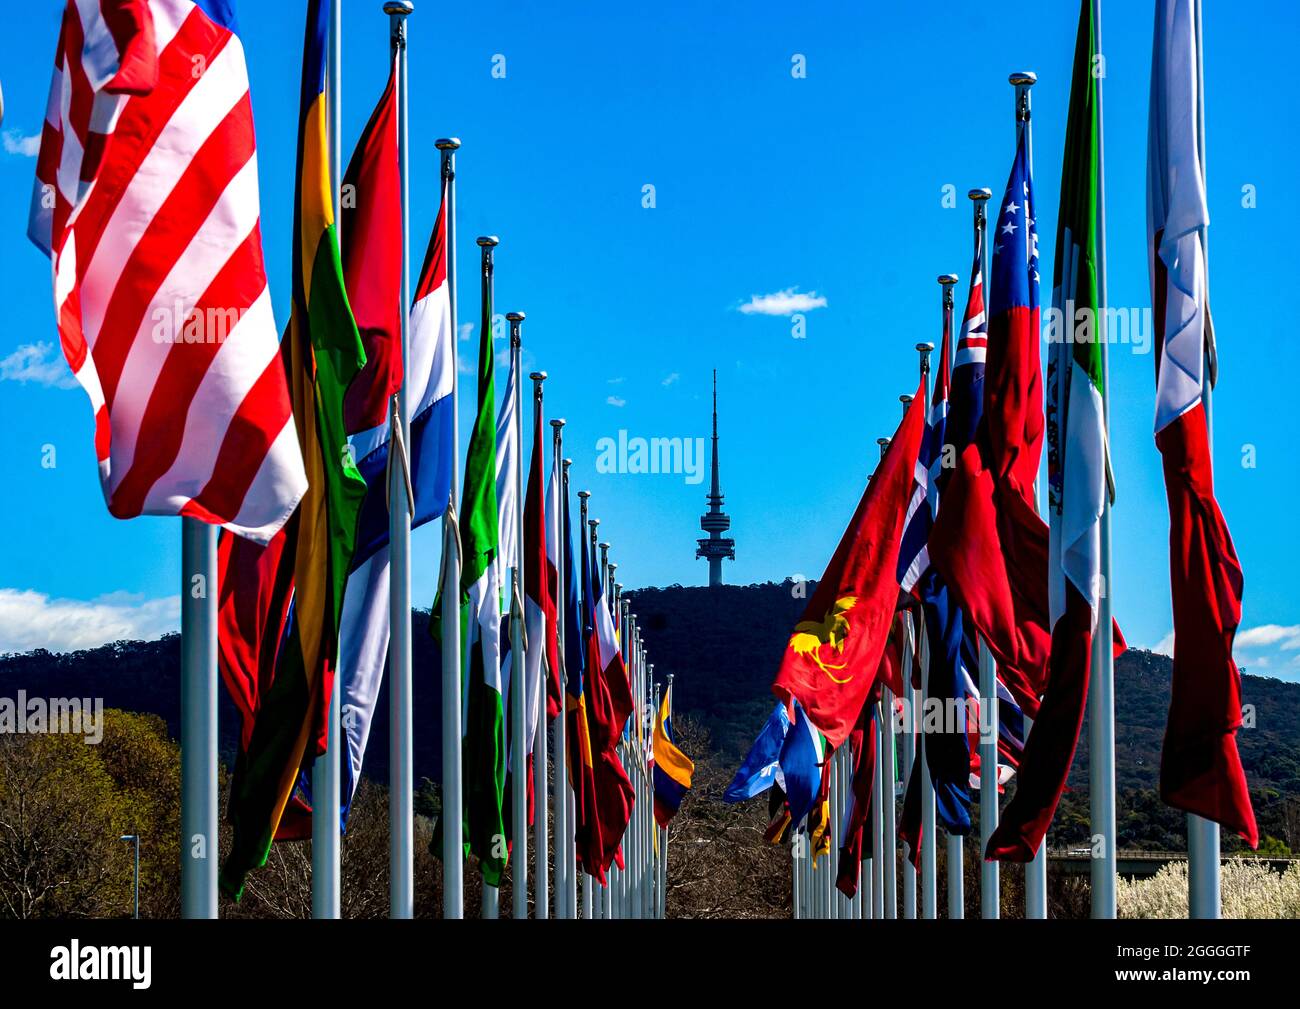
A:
[480,596]
[1077,458]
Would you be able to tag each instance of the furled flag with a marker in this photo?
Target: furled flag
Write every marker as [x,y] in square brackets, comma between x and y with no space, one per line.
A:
[762,765]
[364,630]
[672,768]
[541,651]
[1200,770]
[283,601]
[577,730]
[857,812]
[834,653]
[1077,470]
[609,704]
[988,542]
[484,744]
[946,749]
[146,202]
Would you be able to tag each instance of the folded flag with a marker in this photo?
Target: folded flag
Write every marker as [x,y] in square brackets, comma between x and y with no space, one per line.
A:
[1200,769]
[146,201]
[672,768]
[762,765]
[293,588]
[833,656]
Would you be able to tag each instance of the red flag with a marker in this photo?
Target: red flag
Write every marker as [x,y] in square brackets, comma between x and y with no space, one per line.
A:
[370,209]
[862,743]
[1200,770]
[833,656]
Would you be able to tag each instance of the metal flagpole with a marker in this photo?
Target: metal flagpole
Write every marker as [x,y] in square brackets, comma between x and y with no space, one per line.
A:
[490,896]
[663,838]
[453,858]
[325,815]
[990,875]
[401,812]
[541,845]
[1036,870]
[878,828]
[589,909]
[954,848]
[198,719]
[929,885]
[560,798]
[909,751]
[1204,898]
[833,766]
[518,688]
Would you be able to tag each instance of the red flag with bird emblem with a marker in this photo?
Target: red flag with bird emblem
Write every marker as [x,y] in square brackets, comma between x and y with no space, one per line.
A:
[833,656]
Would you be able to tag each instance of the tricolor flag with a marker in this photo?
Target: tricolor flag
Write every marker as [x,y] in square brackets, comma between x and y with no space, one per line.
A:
[672,769]
[279,606]
[1077,470]
[1200,770]
[146,201]
[367,238]
[484,746]
[834,654]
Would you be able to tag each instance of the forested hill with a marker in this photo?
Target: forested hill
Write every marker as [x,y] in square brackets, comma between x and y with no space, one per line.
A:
[724,646]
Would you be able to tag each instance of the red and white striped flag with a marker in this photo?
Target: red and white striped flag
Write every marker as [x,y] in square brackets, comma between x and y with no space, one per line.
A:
[146,201]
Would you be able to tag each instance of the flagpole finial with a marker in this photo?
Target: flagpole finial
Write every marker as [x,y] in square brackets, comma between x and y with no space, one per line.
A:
[400,8]
[924,350]
[537,376]
[487,241]
[981,194]
[1022,80]
[557,423]
[947,279]
[447,143]
[566,463]
[884,445]
[584,494]
[906,400]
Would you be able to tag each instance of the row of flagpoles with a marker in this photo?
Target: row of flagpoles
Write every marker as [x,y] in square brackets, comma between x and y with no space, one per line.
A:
[874,655]
[631,882]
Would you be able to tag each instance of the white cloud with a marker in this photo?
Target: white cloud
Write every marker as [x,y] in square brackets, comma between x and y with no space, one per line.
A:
[670,379]
[614,381]
[25,147]
[785,302]
[1165,646]
[30,619]
[465,330]
[38,362]
[1268,635]
[615,401]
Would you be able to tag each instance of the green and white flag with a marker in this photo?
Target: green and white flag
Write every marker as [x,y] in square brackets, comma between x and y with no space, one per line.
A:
[480,594]
[1078,465]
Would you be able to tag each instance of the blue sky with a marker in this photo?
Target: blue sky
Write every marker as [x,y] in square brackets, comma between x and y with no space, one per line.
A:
[831,184]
